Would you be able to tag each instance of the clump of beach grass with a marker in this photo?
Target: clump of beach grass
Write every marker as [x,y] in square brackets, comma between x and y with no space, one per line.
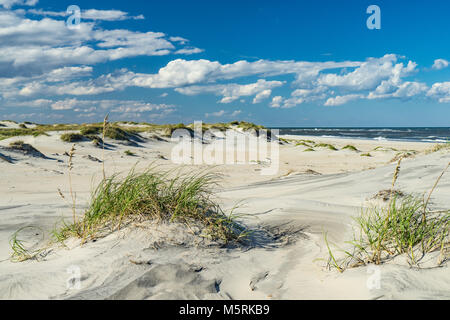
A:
[403,155]
[153,195]
[309,150]
[168,130]
[366,154]
[17,144]
[327,145]
[97,142]
[438,147]
[220,127]
[129,153]
[302,144]
[350,147]
[19,251]
[116,133]
[386,195]
[8,133]
[90,130]
[25,148]
[247,126]
[283,141]
[72,194]
[72,137]
[406,226]
[385,149]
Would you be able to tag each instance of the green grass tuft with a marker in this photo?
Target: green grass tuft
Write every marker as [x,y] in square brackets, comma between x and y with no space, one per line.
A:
[438,147]
[8,133]
[350,147]
[385,149]
[327,145]
[90,130]
[406,226]
[116,133]
[168,130]
[302,144]
[17,144]
[72,137]
[247,126]
[152,195]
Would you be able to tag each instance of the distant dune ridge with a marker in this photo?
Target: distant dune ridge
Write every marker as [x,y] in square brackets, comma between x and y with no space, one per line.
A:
[241,235]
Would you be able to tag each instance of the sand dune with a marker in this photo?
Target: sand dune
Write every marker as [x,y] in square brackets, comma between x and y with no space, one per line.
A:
[289,212]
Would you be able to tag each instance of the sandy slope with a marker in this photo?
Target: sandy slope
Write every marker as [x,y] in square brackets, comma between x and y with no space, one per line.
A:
[289,211]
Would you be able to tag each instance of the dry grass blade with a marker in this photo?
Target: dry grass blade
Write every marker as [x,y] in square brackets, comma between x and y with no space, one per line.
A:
[72,194]
[435,184]
[105,127]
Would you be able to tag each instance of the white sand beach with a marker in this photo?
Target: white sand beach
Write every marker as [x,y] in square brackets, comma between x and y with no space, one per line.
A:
[313,193]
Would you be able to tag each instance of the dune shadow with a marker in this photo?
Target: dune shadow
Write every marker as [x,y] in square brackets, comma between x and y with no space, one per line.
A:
[23,149]
[6,158]
[276,235]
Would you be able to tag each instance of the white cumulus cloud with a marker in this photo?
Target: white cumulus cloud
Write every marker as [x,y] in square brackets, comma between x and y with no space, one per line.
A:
[10,3]
[340,100]
[440,64]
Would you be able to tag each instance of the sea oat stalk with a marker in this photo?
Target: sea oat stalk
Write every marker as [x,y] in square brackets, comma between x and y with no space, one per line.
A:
[105,126]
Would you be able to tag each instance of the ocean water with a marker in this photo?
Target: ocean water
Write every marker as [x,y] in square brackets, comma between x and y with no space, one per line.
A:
[423,134]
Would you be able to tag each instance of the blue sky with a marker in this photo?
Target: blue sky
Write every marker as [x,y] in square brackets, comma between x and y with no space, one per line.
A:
[277,63]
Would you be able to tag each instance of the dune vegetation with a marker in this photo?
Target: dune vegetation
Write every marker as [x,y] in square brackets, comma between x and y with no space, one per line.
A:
[153,195]
[406,226]
[350,147]
[327,145]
